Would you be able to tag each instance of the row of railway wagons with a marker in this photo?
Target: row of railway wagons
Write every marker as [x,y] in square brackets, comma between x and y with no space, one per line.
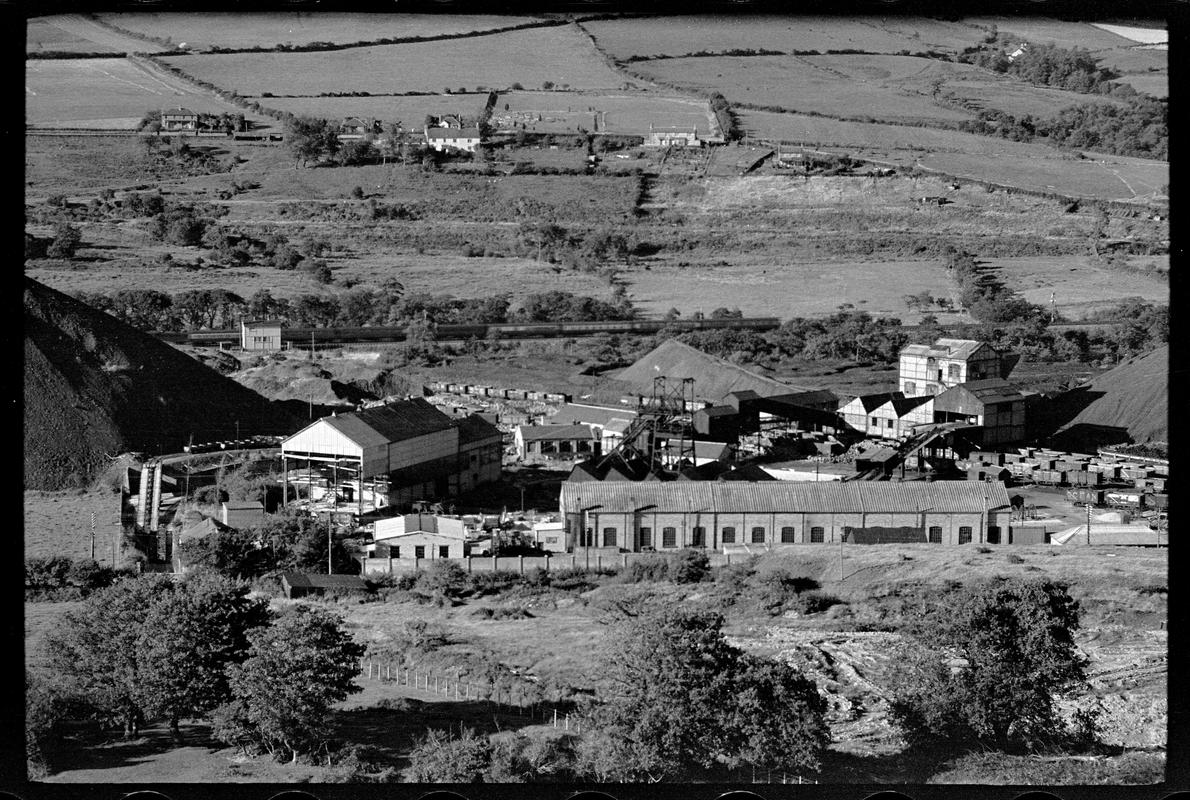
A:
[473,390]
[527,330]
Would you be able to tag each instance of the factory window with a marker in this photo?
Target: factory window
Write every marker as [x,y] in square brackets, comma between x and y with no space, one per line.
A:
[419,551]
[444,551]
[609,537]
[729,535]
[788,536]
[993,534]
[646,537]
[875,422]
[935,535]
[818,535]
[698,536]
[964,535]
[910,388]
[952,370]
[669,537]
[394,552]
[758,535]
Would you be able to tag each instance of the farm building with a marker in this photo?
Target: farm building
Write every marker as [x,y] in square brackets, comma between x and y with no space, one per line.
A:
[298,584]
[404,451]
[260,334]
[621,516]
[678,136]
[452,138]
[242,514]
[931,369]
[356,128]
[420,536]
[556,440]
[179,120]
[994,404]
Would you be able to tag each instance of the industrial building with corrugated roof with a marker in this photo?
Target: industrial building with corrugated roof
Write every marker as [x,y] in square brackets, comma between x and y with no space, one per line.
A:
[403,451]
[625,516]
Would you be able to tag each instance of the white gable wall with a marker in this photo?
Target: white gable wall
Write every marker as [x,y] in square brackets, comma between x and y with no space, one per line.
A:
[320,438]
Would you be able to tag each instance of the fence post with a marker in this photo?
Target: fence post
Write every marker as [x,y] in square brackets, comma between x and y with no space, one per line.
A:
[468,565]
[555,717]
[388,672]
[547,562]
[598,562]
[521,564]
[624,560]
[390,565]
[567,724]
[495,563]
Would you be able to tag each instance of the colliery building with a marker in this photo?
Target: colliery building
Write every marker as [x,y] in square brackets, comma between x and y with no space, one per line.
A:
[395,454]
[630,517]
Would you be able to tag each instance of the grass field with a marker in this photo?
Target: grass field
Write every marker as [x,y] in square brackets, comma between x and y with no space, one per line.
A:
[1155,84]
[105,93]
[675,36]
[561,55]
[1078,282]
[42,34]
[82,28]
[984,91]
[59,523]
[561,112]
[1155,35]
[1045,30]
[880,87]
[1112,178]
[207,29]
[410,111]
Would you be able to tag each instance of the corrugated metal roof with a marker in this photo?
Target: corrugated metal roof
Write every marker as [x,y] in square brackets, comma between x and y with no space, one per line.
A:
[546,433]
[452,133]
[781,496]
[944,348]
[992,390]
[474,428]
[377,427]
[570,413]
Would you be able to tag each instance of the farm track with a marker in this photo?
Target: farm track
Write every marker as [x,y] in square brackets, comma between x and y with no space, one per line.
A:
[90,30]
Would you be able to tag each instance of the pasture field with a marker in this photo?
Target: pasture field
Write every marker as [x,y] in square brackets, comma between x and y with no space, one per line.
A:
[1079,284]
[239,30]
[59,524]
[985,91]
[42,34]
[1109,178]
[1046,30]
[564,112]
[105,93]
[1154,35]
[409,110]
[1155,84]
[676,36]
[83,28]
[561,55]
[435,273]
[880,87]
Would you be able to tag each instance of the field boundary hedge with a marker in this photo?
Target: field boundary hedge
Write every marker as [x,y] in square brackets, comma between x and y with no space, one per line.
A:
[320,47]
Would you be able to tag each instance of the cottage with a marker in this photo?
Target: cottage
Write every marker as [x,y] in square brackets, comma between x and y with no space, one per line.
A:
[260,334]
[672,137]
[356,128]
[179,120]
[442,139]
[579,440]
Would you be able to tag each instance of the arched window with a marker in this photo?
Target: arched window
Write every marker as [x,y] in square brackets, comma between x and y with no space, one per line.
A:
[788,535]
[698,536]
[758,535]
[817,535]
[935,535]
[728,535]
[669,537]
[609,537]
[646,537]
[964,535]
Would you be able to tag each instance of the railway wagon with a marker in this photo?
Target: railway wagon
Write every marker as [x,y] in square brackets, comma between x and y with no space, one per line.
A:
[1084,496]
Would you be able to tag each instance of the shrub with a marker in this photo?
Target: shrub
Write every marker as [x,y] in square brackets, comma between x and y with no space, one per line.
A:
[654,568]
[487,583]
[358,192]
[65,242]
[444,577]
[815,602]
[1013,558]
[690,566]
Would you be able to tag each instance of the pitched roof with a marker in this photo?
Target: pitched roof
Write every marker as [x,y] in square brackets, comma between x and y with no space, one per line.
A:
[902,405]
[179,111]
[452,133]
[871,402]
[569,413]
[474,428]
[302,580]
[945,348]
[784,496]
[544,433]
[989,391]
[374,427]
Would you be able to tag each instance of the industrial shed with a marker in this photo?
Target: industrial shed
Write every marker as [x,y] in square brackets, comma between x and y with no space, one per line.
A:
[622,516]
[416,536]
[298,584]
[994,404]
[403,451]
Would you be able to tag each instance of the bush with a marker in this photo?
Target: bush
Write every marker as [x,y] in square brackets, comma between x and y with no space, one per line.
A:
[690,566]
[502,613]
[358,192]
[1013,558]
[65,242]
[815,602]
[654,568]
[481,584]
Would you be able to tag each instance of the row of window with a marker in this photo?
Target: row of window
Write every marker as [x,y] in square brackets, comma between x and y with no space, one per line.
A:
[669,536]
[419,551]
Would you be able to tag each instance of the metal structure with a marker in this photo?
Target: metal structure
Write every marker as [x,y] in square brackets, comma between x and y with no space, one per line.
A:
[661,422]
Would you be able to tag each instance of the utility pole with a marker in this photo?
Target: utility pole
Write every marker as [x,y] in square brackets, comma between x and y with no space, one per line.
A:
[237,430]
[92,535]
[1088,523]
[330,569]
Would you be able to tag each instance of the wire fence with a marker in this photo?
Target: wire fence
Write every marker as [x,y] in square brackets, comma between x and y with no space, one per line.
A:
[452,687]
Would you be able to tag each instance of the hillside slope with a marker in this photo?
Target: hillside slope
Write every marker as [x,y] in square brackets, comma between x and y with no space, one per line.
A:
[1128,403]
[94,387]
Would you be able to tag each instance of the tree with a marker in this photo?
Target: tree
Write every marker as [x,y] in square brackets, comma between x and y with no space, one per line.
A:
[95,647]
[311,139]
[187,640]
[295,670]
[442,758]
[671,701]
[65,242]
[985,664]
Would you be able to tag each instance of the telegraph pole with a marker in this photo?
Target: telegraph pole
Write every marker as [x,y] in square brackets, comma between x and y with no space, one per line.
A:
[92,535]
[1088,523]
[330,569]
